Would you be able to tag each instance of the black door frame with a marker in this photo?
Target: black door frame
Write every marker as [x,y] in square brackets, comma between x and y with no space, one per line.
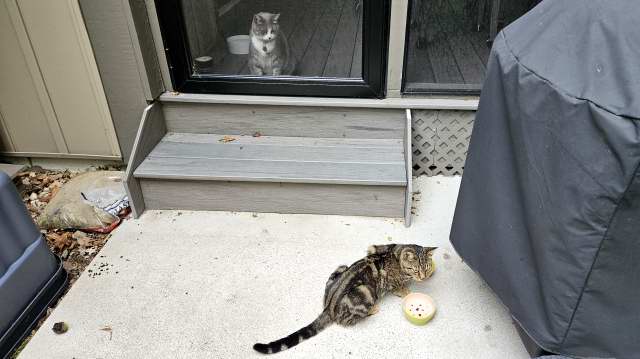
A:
[374,62]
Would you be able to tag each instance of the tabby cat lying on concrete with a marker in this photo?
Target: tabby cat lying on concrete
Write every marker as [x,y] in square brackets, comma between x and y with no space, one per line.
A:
[351,293]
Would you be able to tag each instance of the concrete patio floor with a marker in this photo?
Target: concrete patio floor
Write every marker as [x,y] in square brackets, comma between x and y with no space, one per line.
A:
[211,284]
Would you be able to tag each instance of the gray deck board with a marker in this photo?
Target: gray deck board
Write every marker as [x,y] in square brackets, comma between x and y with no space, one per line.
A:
[286,121]
[285,141]
[214,169]
[152,129]
[270,149]
[382,201]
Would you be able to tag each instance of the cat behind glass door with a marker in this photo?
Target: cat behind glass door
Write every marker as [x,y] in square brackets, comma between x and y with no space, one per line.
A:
[269,51]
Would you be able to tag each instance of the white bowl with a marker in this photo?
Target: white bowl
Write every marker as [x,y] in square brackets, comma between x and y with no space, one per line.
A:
[238,44]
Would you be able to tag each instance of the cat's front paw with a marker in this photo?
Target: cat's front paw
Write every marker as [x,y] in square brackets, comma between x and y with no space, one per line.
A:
[402,292]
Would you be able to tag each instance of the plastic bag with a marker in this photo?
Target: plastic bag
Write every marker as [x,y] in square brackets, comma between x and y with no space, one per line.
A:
[91,202]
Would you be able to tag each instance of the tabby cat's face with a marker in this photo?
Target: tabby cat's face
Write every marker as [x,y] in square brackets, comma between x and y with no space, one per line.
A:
[417,262]
[265,26]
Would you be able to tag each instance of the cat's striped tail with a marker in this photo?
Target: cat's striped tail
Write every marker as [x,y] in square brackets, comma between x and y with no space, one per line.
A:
[296,338]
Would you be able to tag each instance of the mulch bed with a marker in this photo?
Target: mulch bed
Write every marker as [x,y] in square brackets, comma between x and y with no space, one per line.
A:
[75,248]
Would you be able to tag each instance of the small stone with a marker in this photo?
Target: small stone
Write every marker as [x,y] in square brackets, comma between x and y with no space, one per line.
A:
[33,196]
[60,328]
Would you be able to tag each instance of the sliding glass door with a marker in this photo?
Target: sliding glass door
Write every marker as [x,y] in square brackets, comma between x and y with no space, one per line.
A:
[448,42]
[334,48]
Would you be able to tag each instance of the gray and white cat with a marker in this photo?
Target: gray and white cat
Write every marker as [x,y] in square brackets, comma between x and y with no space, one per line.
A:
[269,52]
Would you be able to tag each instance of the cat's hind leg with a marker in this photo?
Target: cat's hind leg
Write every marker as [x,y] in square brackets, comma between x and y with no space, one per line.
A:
[336,273]
[332,279]
[357,304]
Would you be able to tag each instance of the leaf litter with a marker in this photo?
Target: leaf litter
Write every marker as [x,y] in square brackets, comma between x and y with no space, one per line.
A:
[76,249]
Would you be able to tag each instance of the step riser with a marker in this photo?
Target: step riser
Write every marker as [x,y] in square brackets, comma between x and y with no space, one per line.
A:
[293,121]
[375,201]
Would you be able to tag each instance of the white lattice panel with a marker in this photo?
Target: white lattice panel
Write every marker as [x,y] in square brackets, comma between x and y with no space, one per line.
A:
[440,141]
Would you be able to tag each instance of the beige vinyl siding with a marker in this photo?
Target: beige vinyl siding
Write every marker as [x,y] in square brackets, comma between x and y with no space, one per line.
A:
[24,115]
[51,95]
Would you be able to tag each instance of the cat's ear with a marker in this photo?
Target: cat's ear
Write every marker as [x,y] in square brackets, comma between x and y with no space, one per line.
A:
[428,251]
[258,19]
[275,18]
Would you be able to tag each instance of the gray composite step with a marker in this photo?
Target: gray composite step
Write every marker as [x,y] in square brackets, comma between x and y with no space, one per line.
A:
[215,157]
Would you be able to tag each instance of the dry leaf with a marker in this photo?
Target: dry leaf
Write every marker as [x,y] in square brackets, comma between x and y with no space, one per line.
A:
[108,329]
[60,241]
[257,134]
[227,139]
[82,239]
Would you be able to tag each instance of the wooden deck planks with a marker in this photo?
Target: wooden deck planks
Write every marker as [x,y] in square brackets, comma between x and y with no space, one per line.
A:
[455,55]
[342,49]
[471,67]
[442,60]
[214,169]
[300,38]
[418,65]
[313,61]
[296,121]
[384,201]
[268,148]
[230,64]
[479,43]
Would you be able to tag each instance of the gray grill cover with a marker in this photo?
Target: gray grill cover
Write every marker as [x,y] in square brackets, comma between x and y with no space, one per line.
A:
[26,263]
[549,208]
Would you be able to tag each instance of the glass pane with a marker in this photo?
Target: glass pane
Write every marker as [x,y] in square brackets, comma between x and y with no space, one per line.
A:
[309,38]
[449,41]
